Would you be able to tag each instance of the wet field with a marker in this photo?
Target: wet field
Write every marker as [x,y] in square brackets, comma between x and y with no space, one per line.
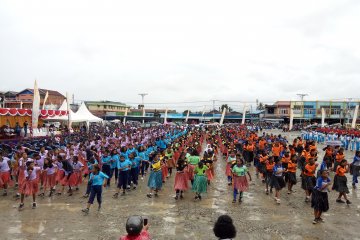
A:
[258,217]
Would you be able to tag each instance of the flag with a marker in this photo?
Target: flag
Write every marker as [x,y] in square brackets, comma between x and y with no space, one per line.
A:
[356,111]
[187,116]
[125,114]
[165,116]
[223,116]
[243,116]
[45,99]
[322,117]
[35,107]
[291,119]
[68,110]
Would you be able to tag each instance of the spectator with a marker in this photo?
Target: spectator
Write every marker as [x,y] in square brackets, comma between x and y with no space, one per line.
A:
[17,129]
[224,228]
[135,229]
[25,128]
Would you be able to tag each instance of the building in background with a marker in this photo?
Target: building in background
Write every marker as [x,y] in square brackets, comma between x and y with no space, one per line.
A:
[24,99]
[104,109]
[310,111]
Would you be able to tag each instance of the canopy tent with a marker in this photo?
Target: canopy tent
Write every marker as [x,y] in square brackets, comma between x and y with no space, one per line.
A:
[63,107]
[86,115]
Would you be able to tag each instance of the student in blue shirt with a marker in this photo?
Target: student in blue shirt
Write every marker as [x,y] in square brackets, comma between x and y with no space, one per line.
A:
[134,171]
[131,149]
[319,200]
[97,179]
[113,165]
[106,158]
[124,166]
[90,165]
[144,158]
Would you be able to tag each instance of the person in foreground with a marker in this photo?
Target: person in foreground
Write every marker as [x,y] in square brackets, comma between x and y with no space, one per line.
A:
[224,228]
[136,229]
[319,198]
[98,179]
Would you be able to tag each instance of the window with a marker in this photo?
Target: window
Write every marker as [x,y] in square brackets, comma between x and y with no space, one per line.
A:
[309,111]
[335,111]
[297,109]
[283,111]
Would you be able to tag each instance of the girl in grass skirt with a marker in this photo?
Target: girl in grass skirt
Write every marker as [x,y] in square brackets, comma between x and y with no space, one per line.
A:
[340,182]
[50,176]
[231,160]
[155,179]
[319,199]
[240,181]
[181,179]
[200,180]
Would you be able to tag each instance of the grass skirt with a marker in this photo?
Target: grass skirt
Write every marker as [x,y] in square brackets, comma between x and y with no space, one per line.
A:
[200,184]
[155,180]
[181,181]
[240,183]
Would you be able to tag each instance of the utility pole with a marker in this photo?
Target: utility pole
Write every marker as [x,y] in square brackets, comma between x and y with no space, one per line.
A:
[214,109]
[142,103]
[302,95]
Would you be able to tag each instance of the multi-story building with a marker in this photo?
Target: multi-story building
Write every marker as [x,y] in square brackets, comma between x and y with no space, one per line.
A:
[103,109]
[24,99]
[336,111]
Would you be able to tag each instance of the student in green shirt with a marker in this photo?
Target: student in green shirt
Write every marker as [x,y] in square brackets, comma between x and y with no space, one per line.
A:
[241,184]
[200,181]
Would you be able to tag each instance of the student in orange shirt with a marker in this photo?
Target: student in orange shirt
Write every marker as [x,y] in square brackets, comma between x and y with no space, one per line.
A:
[308,178]
[285,160]
[262,165]
[276,149]
[269,172]
[291,174]
[340,182]
[339,157]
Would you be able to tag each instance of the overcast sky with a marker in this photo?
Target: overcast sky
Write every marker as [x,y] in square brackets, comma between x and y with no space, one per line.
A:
[179,51]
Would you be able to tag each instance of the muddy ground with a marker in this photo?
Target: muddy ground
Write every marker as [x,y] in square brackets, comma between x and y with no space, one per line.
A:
[258,217]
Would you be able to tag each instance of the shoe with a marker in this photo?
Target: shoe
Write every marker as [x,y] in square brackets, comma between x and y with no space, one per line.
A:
[315,221]
[77,189]
[134,187]
[278,201]
[240,200]
[116,195]
[149,195]
[21,206]
[59,193]
[229,184]
[196,197]
[234,201]
[99,207]
[289,192]
[142,178]
[41,195]
[270,190]
[176,197]
[85,210]
[199,197]
[267,192]
[321,220]
[339,201]
[348,202]
[354,186]
[156,195]
[123,193]
[307,199]
[85,196]
[34,205]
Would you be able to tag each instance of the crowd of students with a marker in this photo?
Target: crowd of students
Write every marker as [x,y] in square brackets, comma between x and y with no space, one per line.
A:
[121,155]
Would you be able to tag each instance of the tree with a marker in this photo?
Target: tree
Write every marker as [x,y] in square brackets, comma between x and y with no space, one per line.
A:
[229,109]
[186,112]
[260,106]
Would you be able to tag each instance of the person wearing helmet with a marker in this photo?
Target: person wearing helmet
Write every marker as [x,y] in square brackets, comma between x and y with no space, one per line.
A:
[136,228]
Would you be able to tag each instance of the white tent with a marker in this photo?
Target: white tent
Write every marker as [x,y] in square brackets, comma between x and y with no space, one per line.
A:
[63,107]
[85,115]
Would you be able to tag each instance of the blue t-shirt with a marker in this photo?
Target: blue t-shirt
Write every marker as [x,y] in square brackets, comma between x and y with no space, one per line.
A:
[106,160]
[98,179]
[135,162]
[115,159]
[132,150]
[126,165]
[91,165]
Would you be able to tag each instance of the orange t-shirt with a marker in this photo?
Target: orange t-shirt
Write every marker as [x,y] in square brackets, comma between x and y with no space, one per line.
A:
[263,159]
[270,166]
[276,151]
[310,170]
[262,144]
[250,147]
[292,167]
[340,171]
[285,159]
